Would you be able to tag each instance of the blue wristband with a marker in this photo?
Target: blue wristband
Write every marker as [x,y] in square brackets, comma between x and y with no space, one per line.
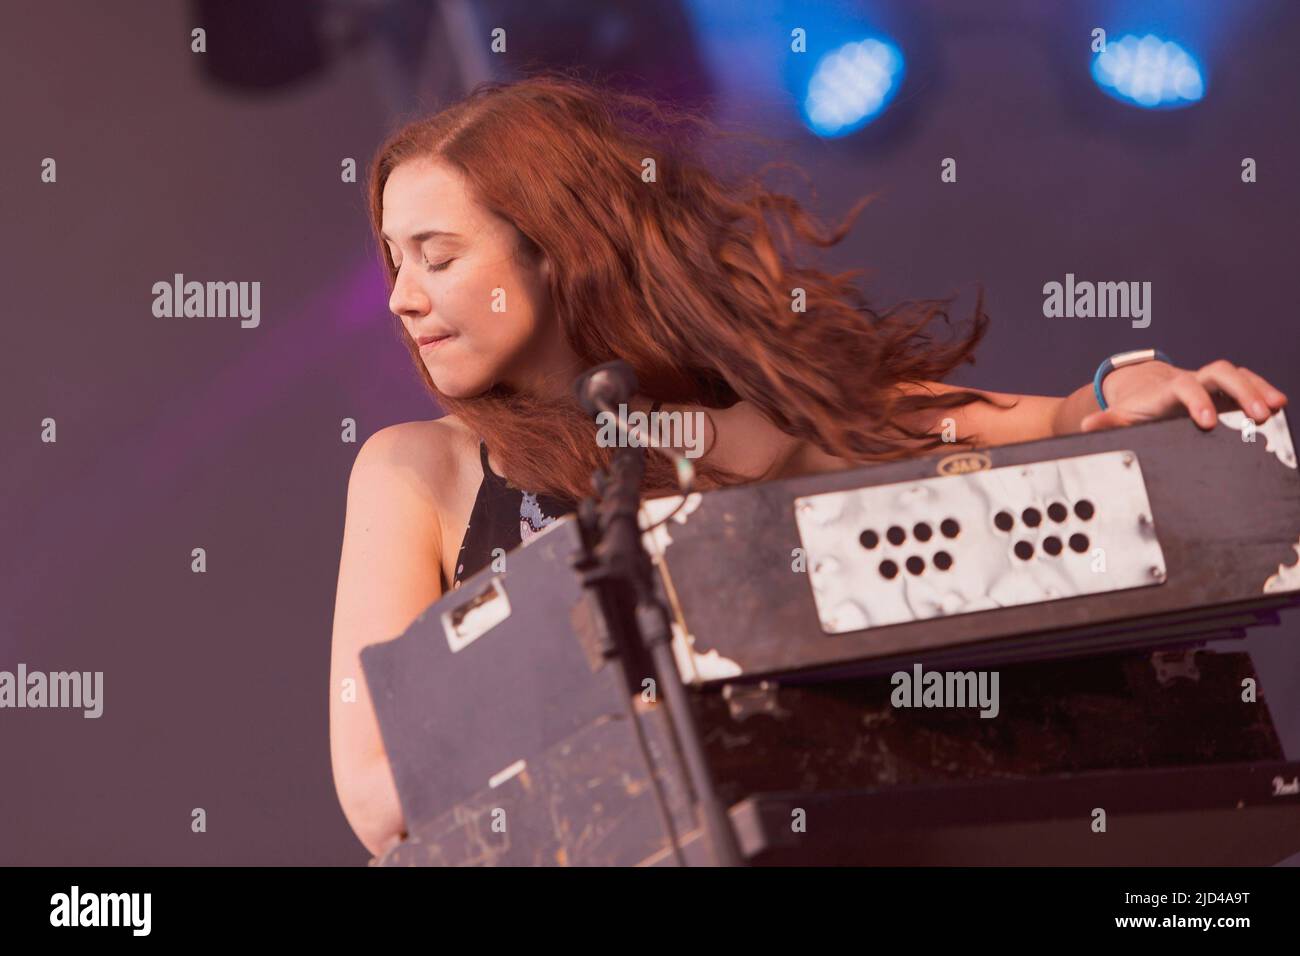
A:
[1119,360]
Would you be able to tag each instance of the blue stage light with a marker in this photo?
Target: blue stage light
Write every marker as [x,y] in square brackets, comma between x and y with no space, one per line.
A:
[1149,72]
[851,85]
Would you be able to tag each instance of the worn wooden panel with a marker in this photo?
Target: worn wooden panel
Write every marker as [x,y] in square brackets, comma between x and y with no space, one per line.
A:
[588,801]
[1187,772]
[1055,717]
[452,720]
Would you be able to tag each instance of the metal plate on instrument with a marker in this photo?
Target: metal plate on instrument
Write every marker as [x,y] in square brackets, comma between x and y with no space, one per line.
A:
[1020,534]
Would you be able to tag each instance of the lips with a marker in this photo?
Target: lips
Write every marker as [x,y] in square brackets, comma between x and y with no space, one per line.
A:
[432,341]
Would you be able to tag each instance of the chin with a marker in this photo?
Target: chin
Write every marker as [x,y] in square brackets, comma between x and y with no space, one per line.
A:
[459,384]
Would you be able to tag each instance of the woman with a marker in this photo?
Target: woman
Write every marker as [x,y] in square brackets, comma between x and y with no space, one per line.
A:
[538,228]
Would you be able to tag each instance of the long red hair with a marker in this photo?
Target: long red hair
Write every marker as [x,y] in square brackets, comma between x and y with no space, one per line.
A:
[683,277]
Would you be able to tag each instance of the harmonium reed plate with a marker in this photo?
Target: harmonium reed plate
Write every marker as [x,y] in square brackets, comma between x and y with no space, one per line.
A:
[1019,534]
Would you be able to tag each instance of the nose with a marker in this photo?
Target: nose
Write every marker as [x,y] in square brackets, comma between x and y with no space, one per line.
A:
[408,299]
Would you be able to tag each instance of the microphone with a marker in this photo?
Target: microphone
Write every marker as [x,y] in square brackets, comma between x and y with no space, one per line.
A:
[600,388]
[605,387]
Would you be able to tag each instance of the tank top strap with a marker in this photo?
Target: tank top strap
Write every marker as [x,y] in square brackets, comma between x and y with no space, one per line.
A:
[490,477]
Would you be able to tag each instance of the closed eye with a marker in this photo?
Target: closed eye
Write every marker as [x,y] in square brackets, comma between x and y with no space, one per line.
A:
[440,266]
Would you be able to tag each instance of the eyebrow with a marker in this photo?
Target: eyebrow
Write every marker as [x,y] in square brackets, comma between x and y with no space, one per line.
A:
[422,236]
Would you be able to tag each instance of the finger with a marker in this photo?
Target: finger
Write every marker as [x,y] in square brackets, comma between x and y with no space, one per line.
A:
[1271,395]
[1228,379]
[1194,396]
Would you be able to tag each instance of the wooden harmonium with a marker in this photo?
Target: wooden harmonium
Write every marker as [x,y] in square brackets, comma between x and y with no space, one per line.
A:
[1154,535]
[497,705]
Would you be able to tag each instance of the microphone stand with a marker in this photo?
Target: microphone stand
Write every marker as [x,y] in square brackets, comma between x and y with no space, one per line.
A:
[619,555]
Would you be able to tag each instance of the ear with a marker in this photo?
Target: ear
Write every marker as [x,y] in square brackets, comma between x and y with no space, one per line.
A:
[546,267]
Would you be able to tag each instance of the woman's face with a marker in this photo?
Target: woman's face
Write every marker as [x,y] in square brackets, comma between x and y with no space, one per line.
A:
[467,290]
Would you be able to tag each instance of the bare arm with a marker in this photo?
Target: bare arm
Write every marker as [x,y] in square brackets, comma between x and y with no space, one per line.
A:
[1134,393]
[388,575]
[1012,418]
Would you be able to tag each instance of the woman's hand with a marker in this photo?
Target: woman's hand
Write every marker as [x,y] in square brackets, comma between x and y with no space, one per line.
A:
[1150,390]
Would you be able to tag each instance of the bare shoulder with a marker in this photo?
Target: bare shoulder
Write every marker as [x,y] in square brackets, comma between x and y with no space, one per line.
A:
[426,457]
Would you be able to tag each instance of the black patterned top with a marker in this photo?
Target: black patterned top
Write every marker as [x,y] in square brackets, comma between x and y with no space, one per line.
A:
[504,518]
